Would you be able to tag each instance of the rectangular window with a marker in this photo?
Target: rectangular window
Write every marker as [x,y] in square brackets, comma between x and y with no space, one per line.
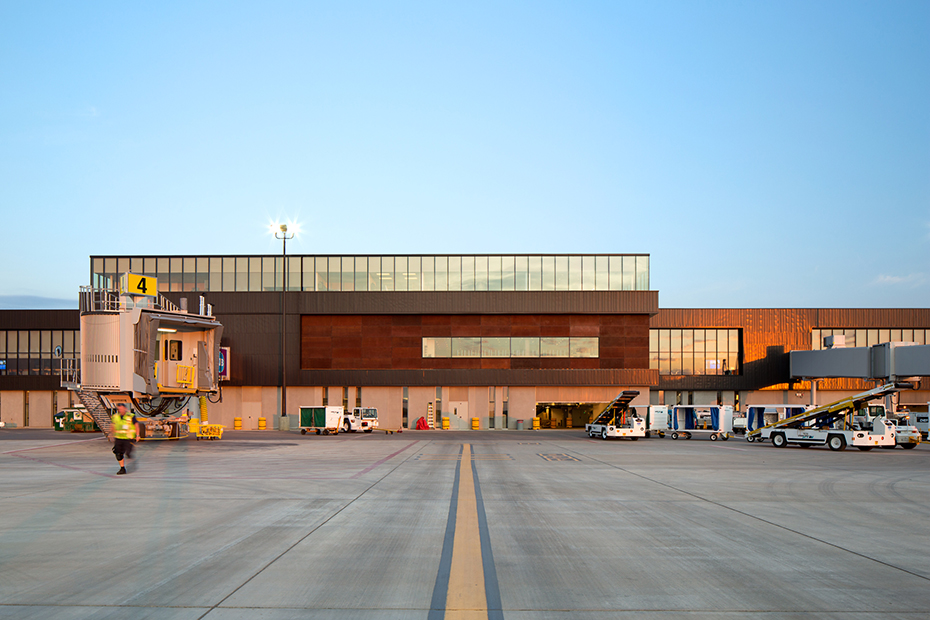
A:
[495,273]
[629,273]
[575,273]
[561,273]
[216,274]
[229,274]
[466,347]
[583,347]
[495,347]
[361,275]
[481,273]
[374,273]
[554,347]
[687,352]
[508,282]
[455,273]
[441,282]
[334,274]
[387,273]
[437,347]
[348,273]
[468,273]
[413,273]
[400,273]
[653,349]
[601,273]
[535,273]
[524,347]
[427,268]
[642,273]
[548,273]
[521,273]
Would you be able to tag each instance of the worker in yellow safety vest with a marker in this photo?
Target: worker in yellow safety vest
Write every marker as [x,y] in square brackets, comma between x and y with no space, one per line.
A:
[124,435]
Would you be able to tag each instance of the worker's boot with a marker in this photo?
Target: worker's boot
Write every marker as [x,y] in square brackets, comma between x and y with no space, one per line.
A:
[122,470]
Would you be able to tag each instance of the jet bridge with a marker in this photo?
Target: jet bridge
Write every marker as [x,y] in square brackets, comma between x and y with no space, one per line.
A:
[139,347]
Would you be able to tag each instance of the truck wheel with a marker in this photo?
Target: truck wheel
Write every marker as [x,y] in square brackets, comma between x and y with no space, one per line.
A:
[892,447]
[633,438]
[804,445]
[864,448]
[368,430]
[724,437]
[779,441]
[674,435]
[317,431]
[750,438]
[647,435]
[908,446]
[303,431]
[346,427]
[604,434]
[837,443]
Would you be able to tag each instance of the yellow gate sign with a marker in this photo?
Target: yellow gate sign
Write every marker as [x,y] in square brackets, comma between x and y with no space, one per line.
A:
[134,284]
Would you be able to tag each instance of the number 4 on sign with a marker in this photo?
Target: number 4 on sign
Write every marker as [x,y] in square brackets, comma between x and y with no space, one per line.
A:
[141,285]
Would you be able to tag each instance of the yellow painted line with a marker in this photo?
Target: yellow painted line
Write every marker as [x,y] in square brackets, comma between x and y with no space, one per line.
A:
[465,599]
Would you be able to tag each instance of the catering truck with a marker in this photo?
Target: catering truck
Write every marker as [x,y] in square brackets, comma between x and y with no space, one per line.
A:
[363,419]
[835,425]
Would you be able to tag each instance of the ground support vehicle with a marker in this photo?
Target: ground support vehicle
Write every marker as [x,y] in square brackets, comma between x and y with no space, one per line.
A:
[321,420]
[618,420]
[918,419]
[76,420]
[758,416]
[715,421]
[657,420]
[363,419]
[906,435]
[835,425]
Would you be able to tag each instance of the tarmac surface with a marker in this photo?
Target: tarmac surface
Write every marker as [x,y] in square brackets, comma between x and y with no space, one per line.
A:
[432,524]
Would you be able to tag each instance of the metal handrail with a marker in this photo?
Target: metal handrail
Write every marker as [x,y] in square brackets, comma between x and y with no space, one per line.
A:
[96,299]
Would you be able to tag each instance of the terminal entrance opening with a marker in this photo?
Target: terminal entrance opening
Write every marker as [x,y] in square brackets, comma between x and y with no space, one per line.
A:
[567,415]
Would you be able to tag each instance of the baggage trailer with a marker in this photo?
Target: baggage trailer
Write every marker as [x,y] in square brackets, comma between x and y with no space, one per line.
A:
[657,420]
[758,416]
[835,425]
[322,420]
[618,420]
[715,421]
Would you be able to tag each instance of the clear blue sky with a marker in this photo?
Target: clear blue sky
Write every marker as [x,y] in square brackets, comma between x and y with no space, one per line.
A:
[765,153]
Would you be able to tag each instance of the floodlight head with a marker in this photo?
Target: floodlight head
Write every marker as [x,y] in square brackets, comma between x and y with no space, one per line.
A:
[284,228]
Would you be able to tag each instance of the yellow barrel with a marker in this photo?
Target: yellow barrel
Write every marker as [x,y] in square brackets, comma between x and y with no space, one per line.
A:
[535,424]
[193,425]
[475,424]
[261,424]
[237,424]
[445,424]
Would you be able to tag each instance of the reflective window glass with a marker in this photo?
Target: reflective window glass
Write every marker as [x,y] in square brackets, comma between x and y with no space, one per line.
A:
[136,265]
[271,280]
[348,273]
[361,274]
[334,273]
[535,273]
[548,273]
[554,347]
[400,273]
[468,273]
[466,347]
[675,352]
[437,347]
[687,352]
[583,347]
[653,349]
[481,273]
[601,273]
[496,273]
[629,273]
[176,276]
[616,273]
[428,273]
[642,273]
[414,275]
[216,274]
[294,273]
[374,273]
[495,347]
[507,273]
[574,273]
[665,362]
[2,343]
[442,273]
[521,273]
[455,273]
[561,273]
[524,347]
[387,273]
[919,336]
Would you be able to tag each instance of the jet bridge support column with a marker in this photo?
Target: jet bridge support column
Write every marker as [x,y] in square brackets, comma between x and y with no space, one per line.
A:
[814,392]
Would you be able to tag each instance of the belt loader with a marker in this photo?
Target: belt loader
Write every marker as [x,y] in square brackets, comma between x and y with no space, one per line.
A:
[833,425]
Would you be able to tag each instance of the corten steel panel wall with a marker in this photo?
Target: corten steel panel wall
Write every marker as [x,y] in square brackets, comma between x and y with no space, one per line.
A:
[369,342]
[769,334]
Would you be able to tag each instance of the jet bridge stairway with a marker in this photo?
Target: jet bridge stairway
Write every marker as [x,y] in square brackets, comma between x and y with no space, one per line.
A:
[91,401]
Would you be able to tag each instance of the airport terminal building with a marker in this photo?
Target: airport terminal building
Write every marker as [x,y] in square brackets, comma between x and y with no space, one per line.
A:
[500,338]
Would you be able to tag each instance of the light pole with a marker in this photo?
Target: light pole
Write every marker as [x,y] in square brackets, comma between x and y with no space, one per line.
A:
[283,236]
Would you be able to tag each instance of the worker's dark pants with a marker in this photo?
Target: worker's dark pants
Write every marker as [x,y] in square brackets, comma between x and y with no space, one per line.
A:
[122,447]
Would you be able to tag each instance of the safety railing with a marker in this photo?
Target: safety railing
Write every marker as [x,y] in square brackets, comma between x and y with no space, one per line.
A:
[94,299]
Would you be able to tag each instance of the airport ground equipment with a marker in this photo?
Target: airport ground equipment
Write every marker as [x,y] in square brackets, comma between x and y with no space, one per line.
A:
[715,421]
[76,419]
[363,419]
[758,416]
[210,431]
[906,434]
[835,425]
[618,419]
[657,420]
[321,420]
[139,348]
